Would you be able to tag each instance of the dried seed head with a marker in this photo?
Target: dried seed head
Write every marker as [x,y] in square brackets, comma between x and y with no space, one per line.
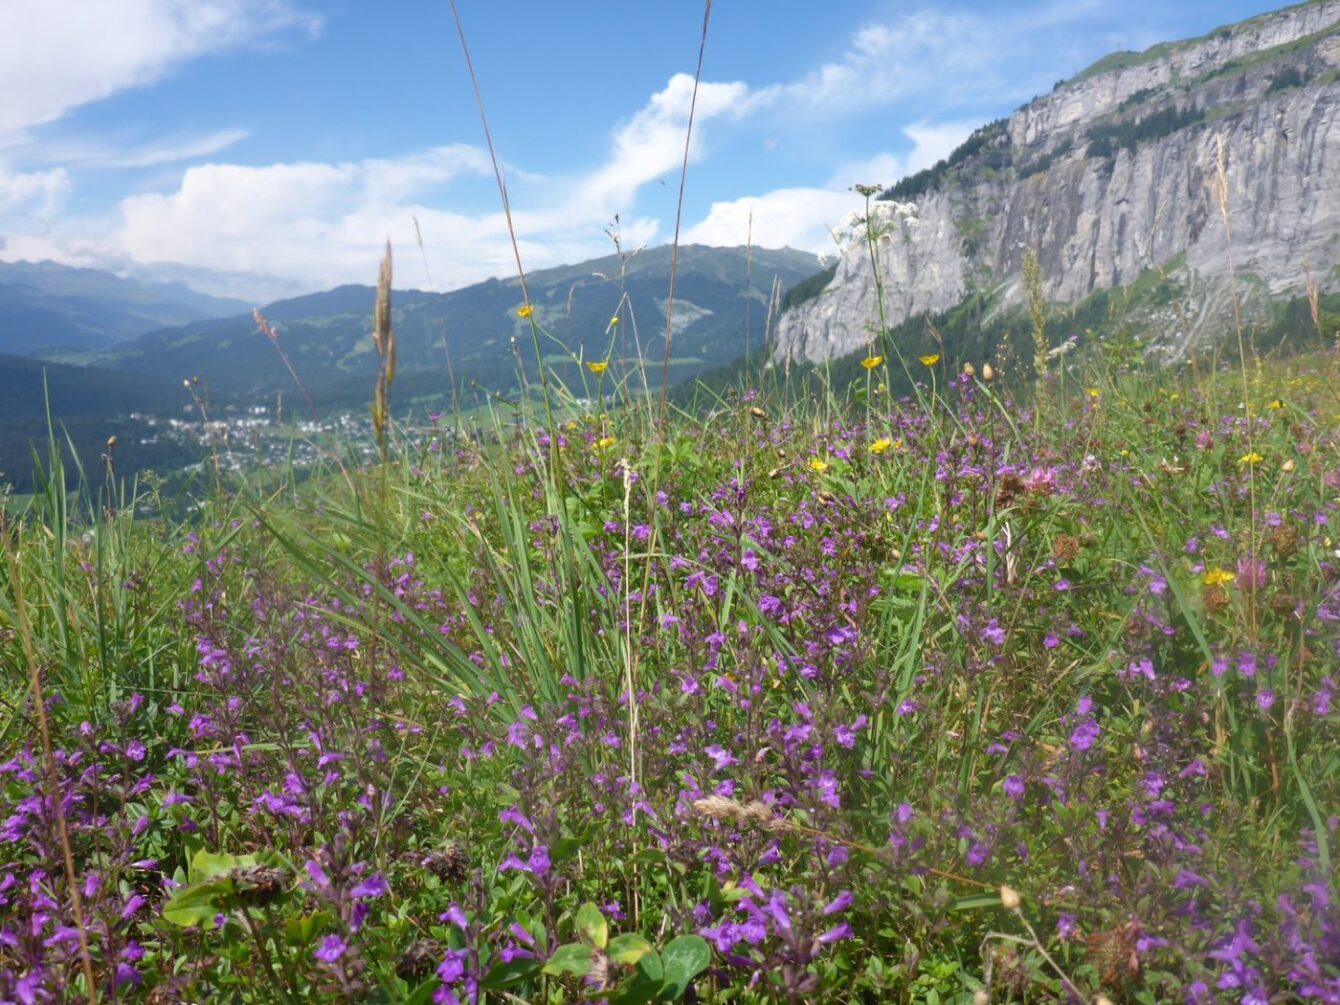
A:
[419,960]
[719,808]
[1288,466]
[1009,898]
[258,885]
[988,374]
[1102,1000]
[111,443]
[755,812]
[969,370]
[980,998]
[451,864]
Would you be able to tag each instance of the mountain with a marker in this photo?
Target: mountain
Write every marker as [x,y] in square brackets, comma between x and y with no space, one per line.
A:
[26,383]
[1113,178]
[326,335]
[44,306]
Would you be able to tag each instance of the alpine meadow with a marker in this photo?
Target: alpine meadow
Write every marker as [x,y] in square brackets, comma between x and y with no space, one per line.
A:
[950,614]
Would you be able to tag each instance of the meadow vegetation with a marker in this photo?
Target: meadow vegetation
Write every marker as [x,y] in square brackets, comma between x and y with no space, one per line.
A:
[1006,688]
[989,690]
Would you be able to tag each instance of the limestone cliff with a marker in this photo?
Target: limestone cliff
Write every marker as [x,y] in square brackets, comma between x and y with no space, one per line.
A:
[1116,172]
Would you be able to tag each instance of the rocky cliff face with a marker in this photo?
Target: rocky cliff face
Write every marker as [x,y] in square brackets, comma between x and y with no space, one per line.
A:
[1117,172]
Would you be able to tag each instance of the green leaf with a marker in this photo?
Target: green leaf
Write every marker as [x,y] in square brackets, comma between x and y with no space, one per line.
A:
[423,994]
[302,930]
[572,958]
[591,926]
[644,985]
[514,971]
[564,848]
[975,903]
[208,864]
[628,948]
[684,959]
[196,904]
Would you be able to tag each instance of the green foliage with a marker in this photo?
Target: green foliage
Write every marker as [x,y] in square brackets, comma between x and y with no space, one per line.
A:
[988,148]
[468,333]
[1286,78]
[1044,163]
[1105,140]
[627,968]
[808,289]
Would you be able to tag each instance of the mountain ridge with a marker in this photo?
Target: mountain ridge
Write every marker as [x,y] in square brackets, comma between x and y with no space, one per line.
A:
[1115,173]
[475,333]
[45,305]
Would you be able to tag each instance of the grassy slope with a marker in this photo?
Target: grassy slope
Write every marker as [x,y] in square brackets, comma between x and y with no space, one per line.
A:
[913,650]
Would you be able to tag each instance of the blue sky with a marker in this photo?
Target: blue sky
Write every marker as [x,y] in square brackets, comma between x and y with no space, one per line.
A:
[266,147]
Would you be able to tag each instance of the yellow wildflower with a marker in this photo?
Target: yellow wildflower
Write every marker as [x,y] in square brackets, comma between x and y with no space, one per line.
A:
[1251,458]
[614,321]
[930,360]
[870,362]
[1276,404]
[525,311]
[599,367]
[605,442]
[1218,577]
[880,445]
[818,465]
[1093,392]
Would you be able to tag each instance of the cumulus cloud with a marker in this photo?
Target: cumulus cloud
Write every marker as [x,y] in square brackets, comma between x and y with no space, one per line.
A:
[312,224]
[317,223]
[55,57]
[788,217]
[804,217]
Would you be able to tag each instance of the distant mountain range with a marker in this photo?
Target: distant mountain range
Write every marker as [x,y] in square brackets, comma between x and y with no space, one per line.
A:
[475,333]
[78,336]
[27,384]
[45,306]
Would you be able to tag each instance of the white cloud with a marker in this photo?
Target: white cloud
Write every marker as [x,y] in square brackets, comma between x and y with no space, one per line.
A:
[787,217]
[120,154]
[36,193]
[947,57]
[56,56]
[316,223]
[804,217]
[651,143]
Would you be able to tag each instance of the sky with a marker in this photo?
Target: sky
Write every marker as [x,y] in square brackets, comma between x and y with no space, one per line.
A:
[263,148]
